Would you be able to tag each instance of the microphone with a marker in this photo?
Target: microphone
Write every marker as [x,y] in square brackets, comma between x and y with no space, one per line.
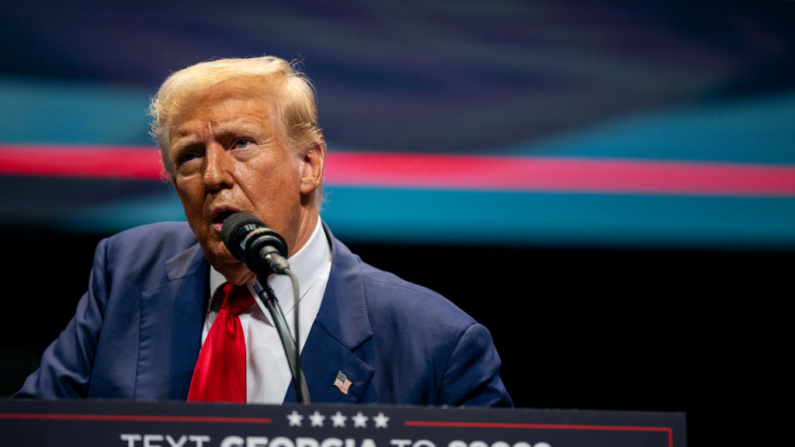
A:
[264,251]
[260,248]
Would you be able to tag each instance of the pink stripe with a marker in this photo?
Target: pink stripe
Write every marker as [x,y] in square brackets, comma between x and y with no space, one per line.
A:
[443,171]
[559,174]
[122,162]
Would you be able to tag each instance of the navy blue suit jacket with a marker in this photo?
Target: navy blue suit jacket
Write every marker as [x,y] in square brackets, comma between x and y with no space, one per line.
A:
[137,332]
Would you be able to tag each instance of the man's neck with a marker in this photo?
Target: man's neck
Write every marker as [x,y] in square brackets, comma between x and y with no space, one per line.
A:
[308,221]
[306,262]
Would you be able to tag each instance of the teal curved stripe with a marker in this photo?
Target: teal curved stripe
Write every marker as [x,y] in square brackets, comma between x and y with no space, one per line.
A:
[47,111]
[749,130]
[555,219]
[508,218]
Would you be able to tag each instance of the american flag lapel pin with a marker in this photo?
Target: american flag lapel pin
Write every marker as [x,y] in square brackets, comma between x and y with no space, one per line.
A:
[342,383]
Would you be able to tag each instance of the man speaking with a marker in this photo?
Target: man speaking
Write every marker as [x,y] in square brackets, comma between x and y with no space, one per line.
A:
[170,314]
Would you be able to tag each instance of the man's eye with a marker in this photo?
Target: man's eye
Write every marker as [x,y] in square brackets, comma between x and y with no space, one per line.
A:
[241,143]
[184,158]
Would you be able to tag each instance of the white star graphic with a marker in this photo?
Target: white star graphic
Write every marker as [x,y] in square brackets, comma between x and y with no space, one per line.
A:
[295,419]
[360,420]
[380,420]
[338,419]
[317,419]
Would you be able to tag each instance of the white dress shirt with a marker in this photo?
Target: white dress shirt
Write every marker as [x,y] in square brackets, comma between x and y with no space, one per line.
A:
[267,371]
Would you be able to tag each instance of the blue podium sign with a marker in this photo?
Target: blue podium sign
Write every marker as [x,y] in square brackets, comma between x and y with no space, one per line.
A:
[169,424]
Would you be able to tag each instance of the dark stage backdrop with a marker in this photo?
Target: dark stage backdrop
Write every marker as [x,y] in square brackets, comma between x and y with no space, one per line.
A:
[627,167]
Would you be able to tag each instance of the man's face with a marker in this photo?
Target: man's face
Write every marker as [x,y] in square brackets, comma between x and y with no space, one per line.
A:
[229,157]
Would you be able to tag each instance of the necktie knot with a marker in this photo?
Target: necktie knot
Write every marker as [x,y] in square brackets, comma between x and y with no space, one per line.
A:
[220,373]
[236,299]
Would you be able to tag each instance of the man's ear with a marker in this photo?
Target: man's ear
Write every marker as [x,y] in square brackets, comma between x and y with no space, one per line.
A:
[312,164]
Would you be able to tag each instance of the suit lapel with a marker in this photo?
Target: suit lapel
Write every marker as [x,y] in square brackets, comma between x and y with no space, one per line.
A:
[322,359]
[338,338]
[172,316]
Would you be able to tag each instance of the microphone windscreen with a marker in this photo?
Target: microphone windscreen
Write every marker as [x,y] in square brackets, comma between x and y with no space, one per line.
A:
[234,223]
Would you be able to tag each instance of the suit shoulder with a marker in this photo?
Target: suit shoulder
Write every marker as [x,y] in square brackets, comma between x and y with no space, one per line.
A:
[391,299]
[163,236]
[140,255]
[409,301]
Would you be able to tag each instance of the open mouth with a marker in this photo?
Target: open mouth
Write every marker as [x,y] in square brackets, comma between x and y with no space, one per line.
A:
[221,217]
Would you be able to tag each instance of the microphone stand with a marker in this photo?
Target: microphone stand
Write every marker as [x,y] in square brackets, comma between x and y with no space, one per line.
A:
[268,298]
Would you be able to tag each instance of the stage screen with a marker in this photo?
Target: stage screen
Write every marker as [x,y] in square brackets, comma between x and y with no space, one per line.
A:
[574,123]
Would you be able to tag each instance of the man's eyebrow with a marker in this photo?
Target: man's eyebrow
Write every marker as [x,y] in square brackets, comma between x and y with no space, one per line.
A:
[238,125]
[184,141]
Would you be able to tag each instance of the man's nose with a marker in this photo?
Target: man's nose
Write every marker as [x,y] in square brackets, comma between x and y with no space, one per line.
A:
[218,169]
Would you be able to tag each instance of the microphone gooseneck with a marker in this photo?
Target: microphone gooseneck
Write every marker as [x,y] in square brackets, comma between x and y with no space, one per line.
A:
[264,252]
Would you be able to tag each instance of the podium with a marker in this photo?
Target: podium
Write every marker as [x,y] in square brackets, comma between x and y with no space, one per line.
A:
[176,424]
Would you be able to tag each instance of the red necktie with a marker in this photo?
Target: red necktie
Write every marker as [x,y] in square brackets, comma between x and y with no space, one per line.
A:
[220,374]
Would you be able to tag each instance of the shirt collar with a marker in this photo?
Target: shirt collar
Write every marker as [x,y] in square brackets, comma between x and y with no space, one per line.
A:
[308,264]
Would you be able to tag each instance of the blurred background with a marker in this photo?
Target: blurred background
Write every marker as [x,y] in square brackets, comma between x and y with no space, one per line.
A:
[608,186]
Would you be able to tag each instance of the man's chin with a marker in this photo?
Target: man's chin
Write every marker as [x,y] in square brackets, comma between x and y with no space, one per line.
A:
[233,270]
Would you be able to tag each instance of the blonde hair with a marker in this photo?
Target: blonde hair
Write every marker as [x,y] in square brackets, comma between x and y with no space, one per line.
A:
[296,111]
